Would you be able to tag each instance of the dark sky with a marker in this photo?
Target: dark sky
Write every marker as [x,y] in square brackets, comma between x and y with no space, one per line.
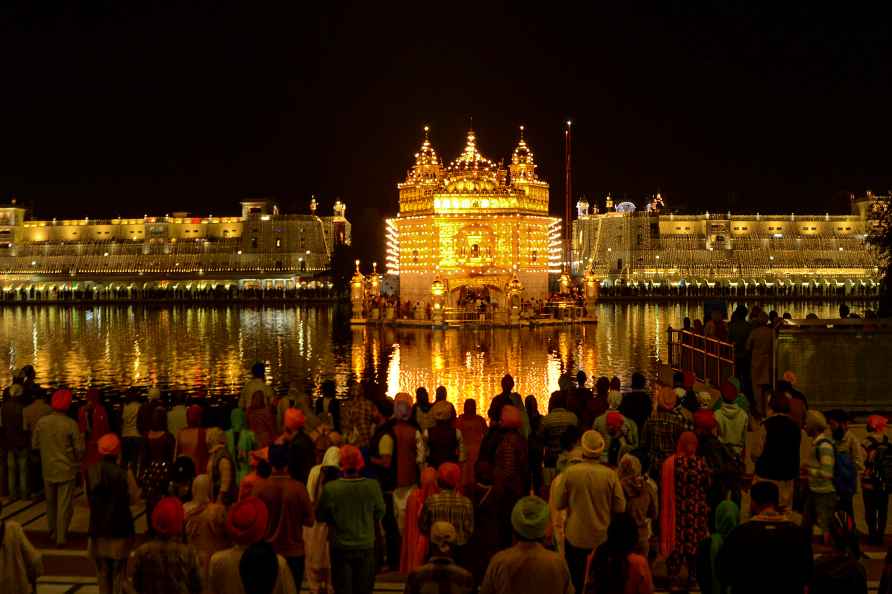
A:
[126,107]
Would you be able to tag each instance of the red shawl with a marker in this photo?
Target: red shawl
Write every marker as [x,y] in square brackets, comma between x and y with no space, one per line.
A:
[687,447]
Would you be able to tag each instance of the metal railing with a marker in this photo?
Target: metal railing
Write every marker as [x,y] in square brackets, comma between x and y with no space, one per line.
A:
[707,358]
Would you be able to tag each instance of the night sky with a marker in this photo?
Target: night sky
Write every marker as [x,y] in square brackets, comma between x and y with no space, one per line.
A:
[123,109]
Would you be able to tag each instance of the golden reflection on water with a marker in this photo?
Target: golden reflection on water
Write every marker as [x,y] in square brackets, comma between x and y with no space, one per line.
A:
[212,348]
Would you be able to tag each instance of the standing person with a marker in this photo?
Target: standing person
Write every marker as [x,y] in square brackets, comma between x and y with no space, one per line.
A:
[839,569]
[205,523]
[510,464]
[92,420]
[732,421]
[819,463]
[30,416]
[440,573]
[472,427]
[527,567]
[684,511]
[637,403]
[727,517]
[536,442]
[641,500]
[760,344]
[301,449]
[316,537]
[421,410]
[111,490]
[20,563]
[261,420]
[554,425]
[359,419]
[449,505]
[770,544]
[877,479]
[405,454]
[17,440]
[738,333]
[415,543]
[616,565]
[131,438]
[847,451]
[164,565]
[147,411]
[384,467]
[488,537]
[440,395]
[240,442]
[221,468]
[61,449]
[776,450]
[157,457]
[290,510]
[508,397]
[662,430]
[442,442]
[590,492]
[176,416]
[192,441]
[246,526]
[328,407]
[352,505]
[257,383]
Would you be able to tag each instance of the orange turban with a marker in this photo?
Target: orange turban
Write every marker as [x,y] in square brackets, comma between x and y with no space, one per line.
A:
[615,421]
[109,445]
[351,458]
[294,419]
[511,418]
[167,517]
[877,423]
[61,400]
[247,521]
[449,474]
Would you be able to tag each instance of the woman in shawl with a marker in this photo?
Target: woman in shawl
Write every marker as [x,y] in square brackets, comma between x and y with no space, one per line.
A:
[487,538]
[535,443]
[641,499]
[92,419]
[727,516]
[473,428]
[615,566]
[157,458]
[422,408]
[684,513]
[240,442]
[205,523]
[318,559]
[191,441]
[414,551]
[260,420]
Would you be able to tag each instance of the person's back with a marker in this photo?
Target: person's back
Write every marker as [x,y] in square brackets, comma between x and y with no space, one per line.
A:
[732,423]
[779,460]
[61,446]
[838,572]
[108,493]
[290,510]
[352,506]
[13,423]
[20,562]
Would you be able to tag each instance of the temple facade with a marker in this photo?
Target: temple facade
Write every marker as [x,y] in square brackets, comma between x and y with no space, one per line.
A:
[472,228]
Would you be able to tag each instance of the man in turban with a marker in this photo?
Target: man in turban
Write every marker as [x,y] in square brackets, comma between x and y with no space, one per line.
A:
[662,430]
[165,564]
[449,505]
[61,447]
[876,481]
[353,506]
[528,567]
[441,573]
[590,492]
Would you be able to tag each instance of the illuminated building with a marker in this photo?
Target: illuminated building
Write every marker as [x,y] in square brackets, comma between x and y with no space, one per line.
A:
[472,225]
[633,246]
[262,247]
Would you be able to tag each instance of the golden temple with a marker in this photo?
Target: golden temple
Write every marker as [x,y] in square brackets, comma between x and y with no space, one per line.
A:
[472,226]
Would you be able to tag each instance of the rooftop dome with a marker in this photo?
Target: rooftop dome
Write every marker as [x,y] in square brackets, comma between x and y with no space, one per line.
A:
[427,164]
[523,164]
[471,171]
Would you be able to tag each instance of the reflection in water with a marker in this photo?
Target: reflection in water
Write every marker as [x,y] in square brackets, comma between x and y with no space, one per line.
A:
[211,348]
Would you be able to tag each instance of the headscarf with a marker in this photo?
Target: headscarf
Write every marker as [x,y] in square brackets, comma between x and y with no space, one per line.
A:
[686,447]
[511,417]
[470,407]
[667,399]
[61,400]
[109,445]
[351,459]
[294,419]
[193,416]
[877,423]
[168,517]
[629,467]
[441,411]
[247,521]
[214,437]
[704,421]
[429,485]
[592,444]
[532,407]
[237,419]
[530,517]
[449,474]
[201,495]
[727,517]
[402,406]
[332,458]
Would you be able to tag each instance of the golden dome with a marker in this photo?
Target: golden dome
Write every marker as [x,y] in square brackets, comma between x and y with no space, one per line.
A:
[471,171]
[523,165]
[427,164]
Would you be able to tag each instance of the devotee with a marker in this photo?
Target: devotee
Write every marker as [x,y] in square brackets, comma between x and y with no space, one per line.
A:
[442,442]
[472,428]
[176,416]
[301,449]
[131,438]
[192,441]
[738,333]
[261,420]
[637,404]
[508,397]
[147,411]
[246,525]
[164,565]
[535,443]
[405,451]
[240,442]
[328,407]
[554,425]
[760,344]
[359,419]
[641,500]
[20,563]
[111,490]
[847,451]
[727,517]
[157,457]
[383,468]
[488,537]
[731,420]
[449,505]
[421,410]
[440,395]
[527,567]
[415,542]
[352,505]
[440,573]
[821,496]
[877,478]
[92,420]
[61,449]
[261,471]
[627,430]
[16,441]
[776,450]
[509,460]
[257,383]
[221,468]
[316,537]
[684,511]
[30,416]
[662,430]
[769,554]
[616,566]
[205,523]
[290,510]
[839,569]
[590,492]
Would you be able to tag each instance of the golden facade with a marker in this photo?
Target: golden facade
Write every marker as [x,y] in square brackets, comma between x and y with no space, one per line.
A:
[472,223]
